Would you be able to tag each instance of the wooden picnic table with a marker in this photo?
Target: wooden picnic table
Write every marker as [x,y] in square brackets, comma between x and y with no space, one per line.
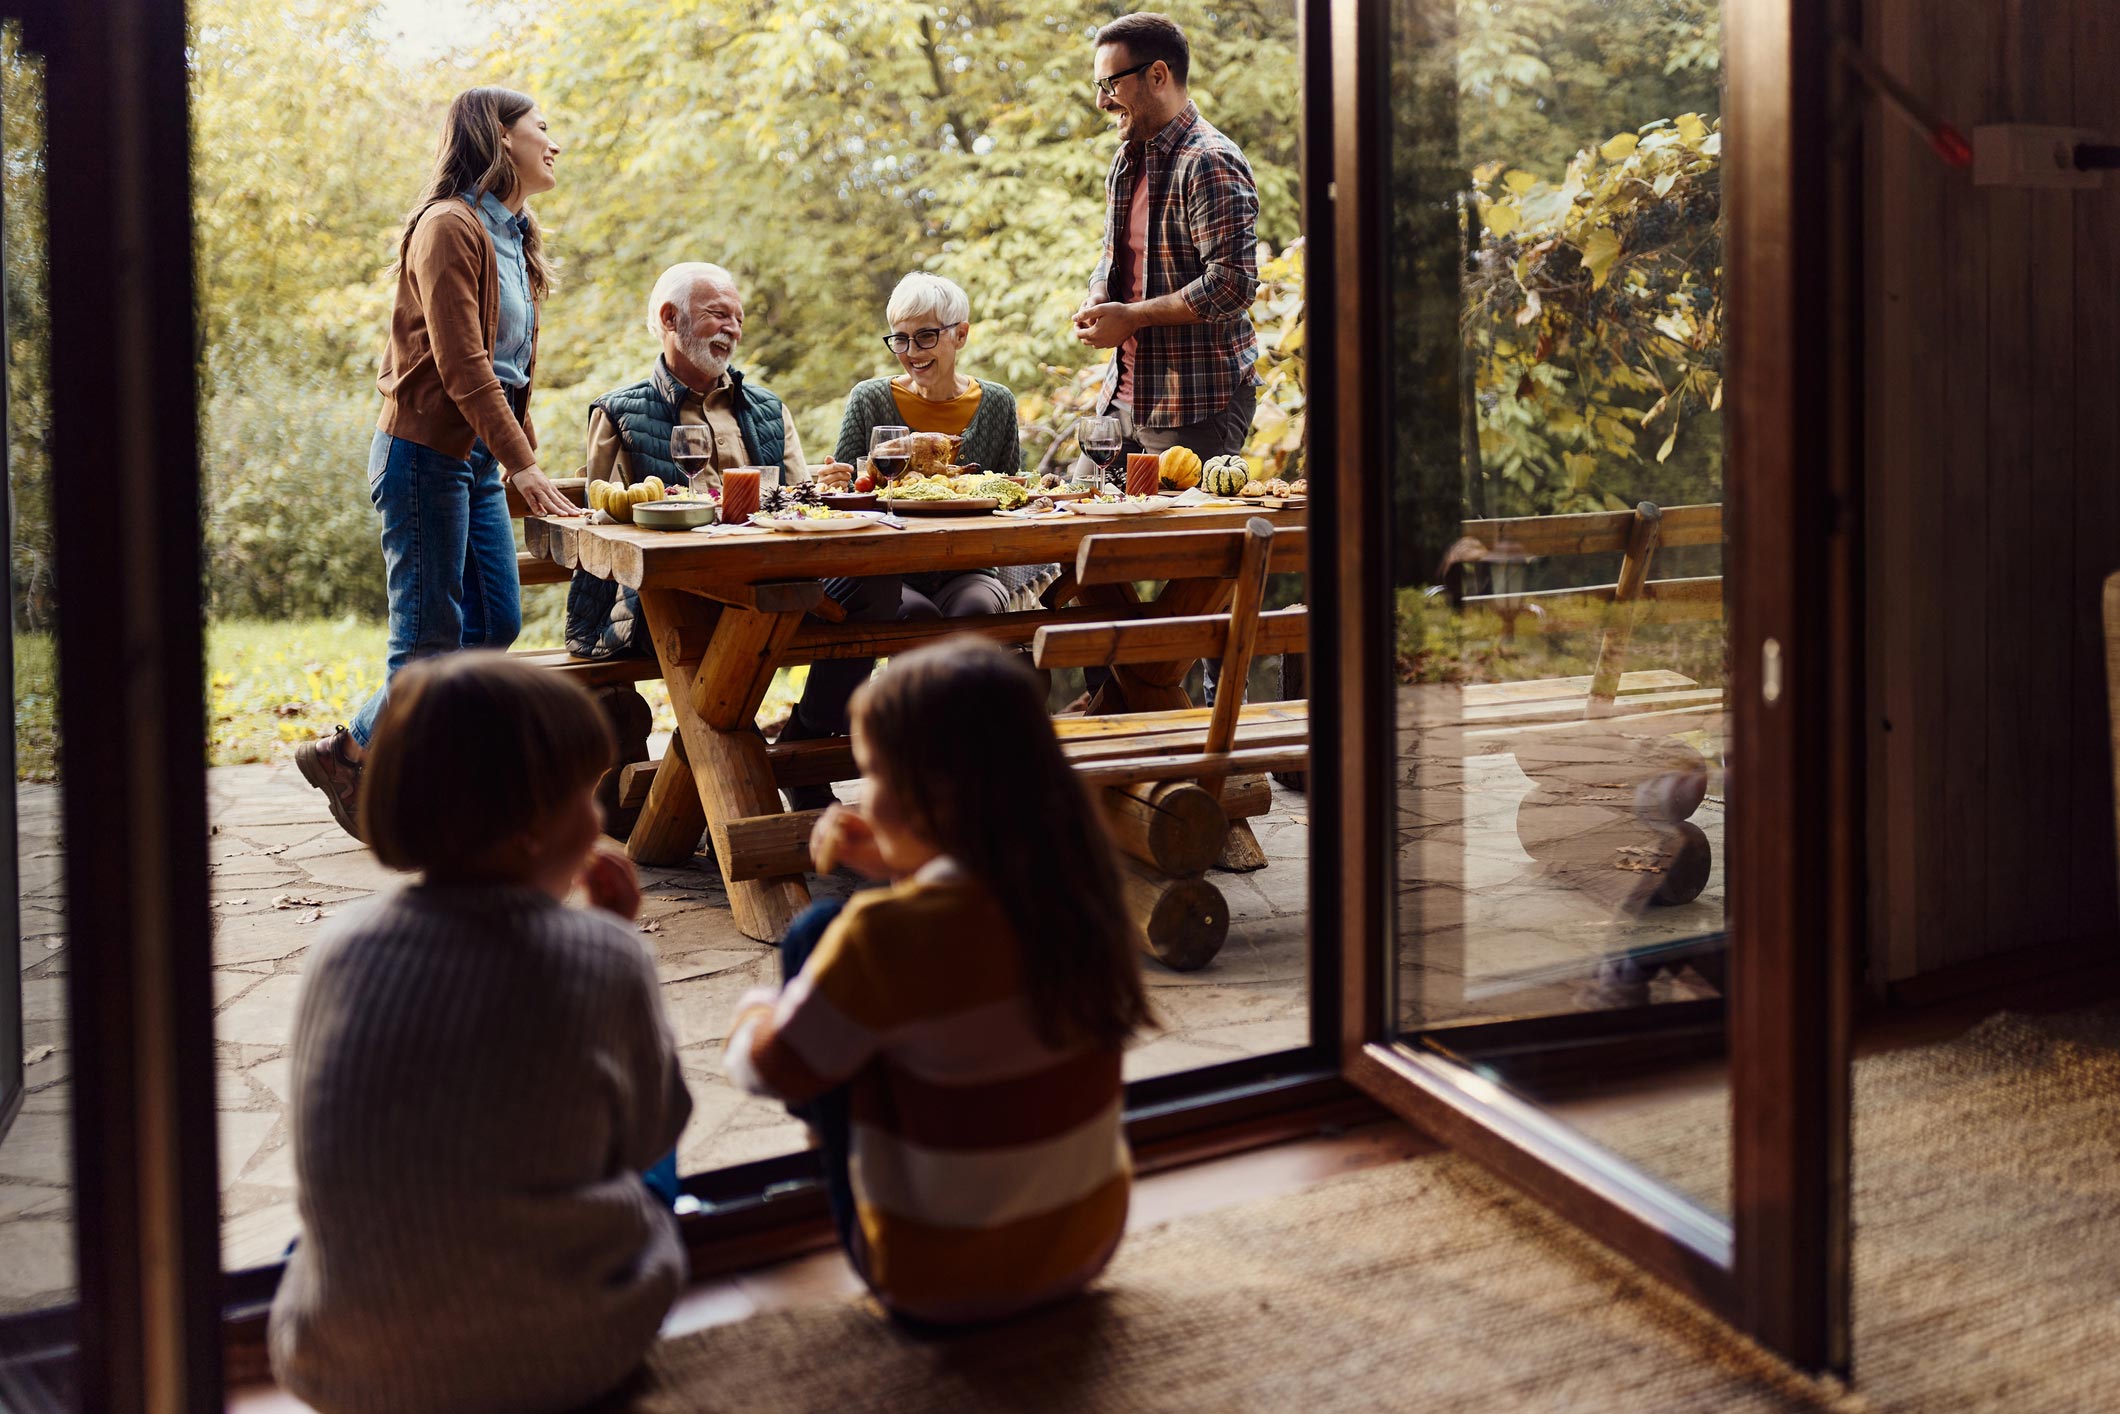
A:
[724,612]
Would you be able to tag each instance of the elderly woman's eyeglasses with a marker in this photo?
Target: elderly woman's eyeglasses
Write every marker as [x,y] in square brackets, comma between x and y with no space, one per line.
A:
[1109,85]
[918,339]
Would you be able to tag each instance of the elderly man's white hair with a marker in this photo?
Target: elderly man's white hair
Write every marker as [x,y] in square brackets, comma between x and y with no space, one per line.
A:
[675,286]
[921,295]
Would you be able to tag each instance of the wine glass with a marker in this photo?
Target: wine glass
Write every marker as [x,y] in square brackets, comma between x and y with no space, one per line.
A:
[1100,442]
[692,448]
[888,452]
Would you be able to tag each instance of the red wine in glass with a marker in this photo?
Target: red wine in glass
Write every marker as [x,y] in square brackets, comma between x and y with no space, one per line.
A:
[889,452]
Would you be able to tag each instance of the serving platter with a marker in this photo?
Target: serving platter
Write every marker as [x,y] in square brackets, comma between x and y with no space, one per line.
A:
[806,525]
[1155,505]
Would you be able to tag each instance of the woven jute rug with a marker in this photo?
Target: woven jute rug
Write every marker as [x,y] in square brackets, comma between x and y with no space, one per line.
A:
[1987,1277]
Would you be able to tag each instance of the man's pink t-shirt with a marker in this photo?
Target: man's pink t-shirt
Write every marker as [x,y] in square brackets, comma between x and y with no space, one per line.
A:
[1136,278]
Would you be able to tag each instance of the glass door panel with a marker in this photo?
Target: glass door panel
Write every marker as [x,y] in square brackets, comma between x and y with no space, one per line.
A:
[1556,474]
[1599,761]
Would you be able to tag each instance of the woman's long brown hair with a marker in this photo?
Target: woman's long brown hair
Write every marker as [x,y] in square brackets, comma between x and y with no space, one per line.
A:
[471,159]
[960,736]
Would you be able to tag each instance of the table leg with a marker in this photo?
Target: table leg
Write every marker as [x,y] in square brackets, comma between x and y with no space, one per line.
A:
[672,820]
[1157,687]
[715,702]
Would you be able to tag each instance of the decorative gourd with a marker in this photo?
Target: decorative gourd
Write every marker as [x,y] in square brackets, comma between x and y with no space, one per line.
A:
[618,501]
[1224,476]
[1179,468]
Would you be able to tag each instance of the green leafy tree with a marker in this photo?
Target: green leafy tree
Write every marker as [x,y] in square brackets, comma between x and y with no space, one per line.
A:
[28,332]
[822,154]
[308,147]
[1592,304]
[1593,313]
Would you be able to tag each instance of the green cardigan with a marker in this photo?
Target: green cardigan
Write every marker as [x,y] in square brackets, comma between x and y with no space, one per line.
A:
[991,439]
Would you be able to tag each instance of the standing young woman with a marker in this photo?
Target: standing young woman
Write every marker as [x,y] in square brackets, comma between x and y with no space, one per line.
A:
[455,430]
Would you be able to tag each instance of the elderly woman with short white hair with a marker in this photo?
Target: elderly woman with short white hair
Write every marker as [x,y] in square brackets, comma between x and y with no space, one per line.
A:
[930,320]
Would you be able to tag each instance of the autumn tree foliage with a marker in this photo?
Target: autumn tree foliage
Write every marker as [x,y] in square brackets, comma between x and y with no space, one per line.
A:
[1591,303]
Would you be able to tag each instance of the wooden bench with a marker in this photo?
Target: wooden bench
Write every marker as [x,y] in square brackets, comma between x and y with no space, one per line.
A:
[1609,775]
[1179,785]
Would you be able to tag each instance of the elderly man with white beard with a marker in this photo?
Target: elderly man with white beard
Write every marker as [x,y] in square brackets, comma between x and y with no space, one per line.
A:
[697,312]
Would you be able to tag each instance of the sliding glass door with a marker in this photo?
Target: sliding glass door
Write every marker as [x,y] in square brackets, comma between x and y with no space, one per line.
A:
[1590,621]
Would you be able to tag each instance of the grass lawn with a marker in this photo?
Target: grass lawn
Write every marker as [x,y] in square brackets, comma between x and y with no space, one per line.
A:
[270,684]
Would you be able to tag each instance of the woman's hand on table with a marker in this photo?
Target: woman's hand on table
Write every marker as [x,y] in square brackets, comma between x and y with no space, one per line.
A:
[835,476]
[610,880]
[842,836]
[540,495]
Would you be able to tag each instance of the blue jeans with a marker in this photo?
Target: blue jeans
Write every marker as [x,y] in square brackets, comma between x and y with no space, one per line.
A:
[449,550]
[830,1114]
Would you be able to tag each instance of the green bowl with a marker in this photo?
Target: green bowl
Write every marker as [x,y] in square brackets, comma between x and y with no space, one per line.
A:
[674,515]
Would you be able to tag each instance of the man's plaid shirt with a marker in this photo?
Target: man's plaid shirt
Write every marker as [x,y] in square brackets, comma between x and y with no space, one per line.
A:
[1203,217]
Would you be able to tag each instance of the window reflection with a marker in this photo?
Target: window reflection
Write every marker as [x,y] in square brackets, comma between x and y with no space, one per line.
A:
[1558,524]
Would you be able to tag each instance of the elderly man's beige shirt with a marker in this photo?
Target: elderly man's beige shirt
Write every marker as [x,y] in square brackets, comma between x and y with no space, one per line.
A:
[716,408]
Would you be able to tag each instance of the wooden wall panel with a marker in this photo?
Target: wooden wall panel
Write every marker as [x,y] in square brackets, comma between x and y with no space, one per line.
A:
[1992,519]
[2094,522]
[1993,450]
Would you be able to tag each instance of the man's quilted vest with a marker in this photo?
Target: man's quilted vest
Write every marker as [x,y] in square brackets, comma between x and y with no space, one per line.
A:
[603,620]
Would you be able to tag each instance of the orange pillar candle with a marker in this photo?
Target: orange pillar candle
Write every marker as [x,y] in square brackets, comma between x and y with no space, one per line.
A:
[1143,473]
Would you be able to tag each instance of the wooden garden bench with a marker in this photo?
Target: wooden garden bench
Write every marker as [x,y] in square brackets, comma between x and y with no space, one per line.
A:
[1589,742]
[1180,784]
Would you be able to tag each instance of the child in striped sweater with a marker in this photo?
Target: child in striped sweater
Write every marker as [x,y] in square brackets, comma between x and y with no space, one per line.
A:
[955,1038]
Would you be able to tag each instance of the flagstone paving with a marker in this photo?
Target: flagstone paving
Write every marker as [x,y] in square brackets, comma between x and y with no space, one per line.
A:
[281,871]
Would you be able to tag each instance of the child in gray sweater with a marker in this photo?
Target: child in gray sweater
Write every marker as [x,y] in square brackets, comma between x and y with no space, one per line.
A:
[481,1075]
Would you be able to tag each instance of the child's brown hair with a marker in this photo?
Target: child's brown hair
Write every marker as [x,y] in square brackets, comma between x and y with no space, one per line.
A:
[960,736]
[472,749]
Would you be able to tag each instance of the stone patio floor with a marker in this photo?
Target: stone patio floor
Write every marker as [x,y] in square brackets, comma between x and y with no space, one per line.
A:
[1479,923]
[281,869]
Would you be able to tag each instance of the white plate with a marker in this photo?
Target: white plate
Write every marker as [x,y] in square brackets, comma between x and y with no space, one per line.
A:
[1118,508]
[808,526]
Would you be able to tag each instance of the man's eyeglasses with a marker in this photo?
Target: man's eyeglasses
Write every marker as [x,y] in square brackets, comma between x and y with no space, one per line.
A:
[1109,86]
[918,339]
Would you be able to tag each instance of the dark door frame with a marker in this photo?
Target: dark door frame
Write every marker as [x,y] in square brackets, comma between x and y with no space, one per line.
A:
[125,504]
[1777,1267]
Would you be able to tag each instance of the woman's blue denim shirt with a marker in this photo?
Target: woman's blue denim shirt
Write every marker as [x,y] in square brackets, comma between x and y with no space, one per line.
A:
[518,331]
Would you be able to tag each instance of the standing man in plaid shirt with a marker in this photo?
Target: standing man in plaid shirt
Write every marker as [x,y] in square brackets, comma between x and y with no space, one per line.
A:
[1172,295]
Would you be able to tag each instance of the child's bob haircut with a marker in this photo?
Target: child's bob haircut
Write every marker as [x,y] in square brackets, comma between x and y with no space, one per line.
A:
[472,749]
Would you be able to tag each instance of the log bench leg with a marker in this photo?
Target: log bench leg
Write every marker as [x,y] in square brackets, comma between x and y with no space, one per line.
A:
[1295,687]
[716,705]
[1241,850]
[1184,921]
